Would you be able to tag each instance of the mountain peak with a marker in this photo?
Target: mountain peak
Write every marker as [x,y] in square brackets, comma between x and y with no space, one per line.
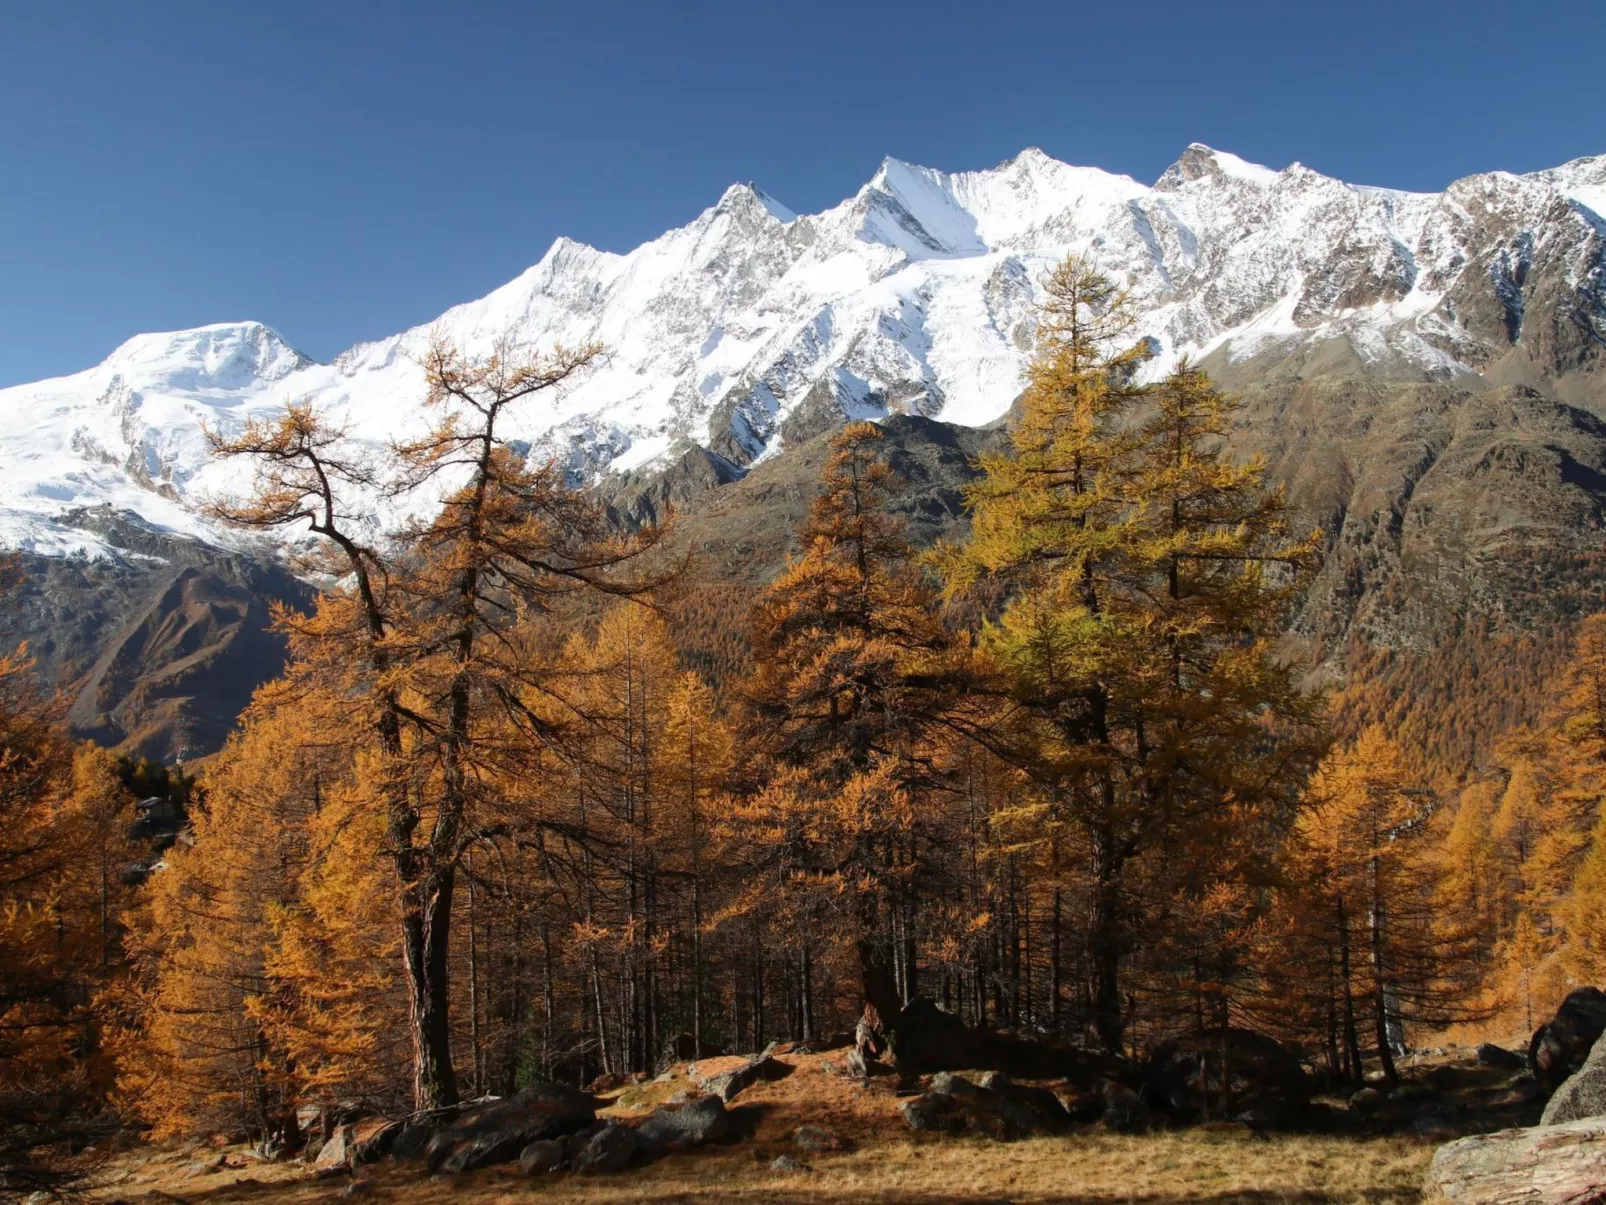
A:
[221,354]
[1200,161]
[746,194]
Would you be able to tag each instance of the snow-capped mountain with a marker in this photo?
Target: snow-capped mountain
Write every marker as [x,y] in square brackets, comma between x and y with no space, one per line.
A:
[914,295]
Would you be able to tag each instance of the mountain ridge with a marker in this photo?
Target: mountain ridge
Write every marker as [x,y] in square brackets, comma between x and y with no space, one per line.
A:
[913,295]
[1423,372]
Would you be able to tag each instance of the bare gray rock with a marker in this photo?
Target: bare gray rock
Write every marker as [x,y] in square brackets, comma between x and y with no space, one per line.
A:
[1542,1165]
[704,1120]
[729,1085]
[1583,1093]
[1500,1058]
[933,1112]
[1564,1043]
[816,1138]
[608,1150]
[544,1157]
[498,1131]
[334,1155]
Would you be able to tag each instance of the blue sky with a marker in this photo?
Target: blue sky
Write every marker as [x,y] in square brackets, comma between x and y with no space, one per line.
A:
[342,170]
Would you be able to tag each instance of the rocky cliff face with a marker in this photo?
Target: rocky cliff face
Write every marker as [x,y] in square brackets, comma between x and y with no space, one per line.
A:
[159,642]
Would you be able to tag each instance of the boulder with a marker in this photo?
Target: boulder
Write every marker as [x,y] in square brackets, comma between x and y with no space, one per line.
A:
[370,1139]
[731,1084]
[544,1157]
[334,1155]
[412,1138]
[950,1084]
[1501,1059]
[497,1131]
[1542,1165]
[704,1120]
[1005,1110]
[933,1112]
[1560,1046]
[608,1150]
[1184,1076]
[925,1039]
[1082,1105]
[785,1163]
[1583,1093]
[1365,1100]
[1027,1109]
[1125,1111]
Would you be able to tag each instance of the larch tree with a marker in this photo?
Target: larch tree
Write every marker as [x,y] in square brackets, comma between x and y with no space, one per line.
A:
[1146,575]
[203,1058]
[64,823]
[419,628]
[852,662]
[697,762]
[1363,845]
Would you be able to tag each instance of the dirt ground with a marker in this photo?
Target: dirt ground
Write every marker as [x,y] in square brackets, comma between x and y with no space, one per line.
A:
[1343,1157]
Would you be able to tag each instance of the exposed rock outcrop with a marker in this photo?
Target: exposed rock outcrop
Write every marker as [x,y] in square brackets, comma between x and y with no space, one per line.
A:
[1583,1093]
[1561,1045]
[1542,1165]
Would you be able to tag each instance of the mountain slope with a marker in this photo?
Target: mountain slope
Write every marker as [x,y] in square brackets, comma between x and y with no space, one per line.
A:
[1423,370]
[752,325]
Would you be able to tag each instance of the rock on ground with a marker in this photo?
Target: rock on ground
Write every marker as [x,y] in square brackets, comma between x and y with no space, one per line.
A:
[1500,1058]
[334,1154]
[1125,1111]
[1583,1093]
[1560,1046]
[608,1150]
[370,1139]
[1184,1076]
[498,1131]
[1000,1109]
[544,1157]
[732,1083]
[933,1112]
[704,1120]
[1543,1165]
[411,1139]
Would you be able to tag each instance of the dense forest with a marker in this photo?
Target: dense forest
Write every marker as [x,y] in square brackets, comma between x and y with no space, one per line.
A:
[496,824]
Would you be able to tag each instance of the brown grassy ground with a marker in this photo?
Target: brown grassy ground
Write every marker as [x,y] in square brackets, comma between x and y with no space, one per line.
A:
[886,1163]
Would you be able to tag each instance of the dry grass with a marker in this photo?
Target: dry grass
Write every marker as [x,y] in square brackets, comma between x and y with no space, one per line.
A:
[1094,1168]
[887,1164]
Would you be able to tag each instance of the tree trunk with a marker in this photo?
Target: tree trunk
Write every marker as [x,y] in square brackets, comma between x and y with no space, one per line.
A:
[1104,958]
[426,932]
[1352,1040]
[1380,986]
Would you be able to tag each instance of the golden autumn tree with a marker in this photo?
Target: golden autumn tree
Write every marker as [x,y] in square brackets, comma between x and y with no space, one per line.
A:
[697,762]
[852,678]
[624,677]
[1372,886]
[204,1058]
[1146,574]
[64,847]
[419,632]
[1469,883]
[1584,915]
